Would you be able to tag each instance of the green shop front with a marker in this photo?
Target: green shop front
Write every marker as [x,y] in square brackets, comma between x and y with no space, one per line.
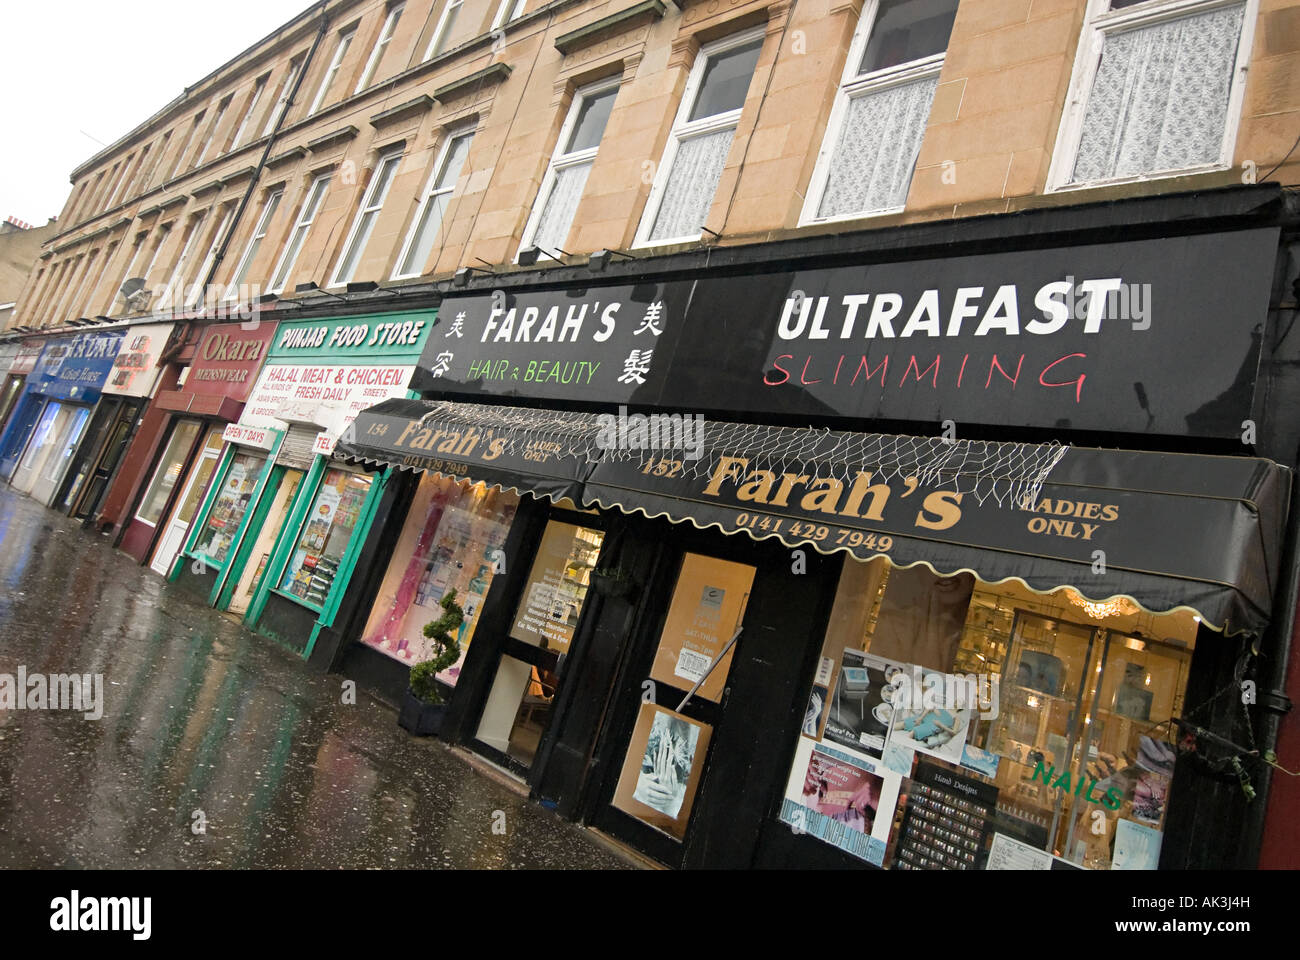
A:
[277,534]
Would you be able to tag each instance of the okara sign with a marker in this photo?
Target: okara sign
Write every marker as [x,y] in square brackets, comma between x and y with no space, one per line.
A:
[1144,336]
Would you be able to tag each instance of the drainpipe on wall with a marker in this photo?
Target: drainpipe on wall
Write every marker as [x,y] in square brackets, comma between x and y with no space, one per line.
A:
[270,143]
[1272,699]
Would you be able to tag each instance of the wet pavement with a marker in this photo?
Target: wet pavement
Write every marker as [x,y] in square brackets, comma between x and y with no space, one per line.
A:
[207,724]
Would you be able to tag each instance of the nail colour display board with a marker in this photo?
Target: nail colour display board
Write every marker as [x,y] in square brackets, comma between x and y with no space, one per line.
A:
[946,822]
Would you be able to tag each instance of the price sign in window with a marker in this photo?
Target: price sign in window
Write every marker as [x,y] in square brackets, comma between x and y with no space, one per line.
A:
[708,605]
[325,535]
[231,504]
[557,586]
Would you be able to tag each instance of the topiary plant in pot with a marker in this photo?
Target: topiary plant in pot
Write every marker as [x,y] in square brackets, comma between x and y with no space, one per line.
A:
[423,707]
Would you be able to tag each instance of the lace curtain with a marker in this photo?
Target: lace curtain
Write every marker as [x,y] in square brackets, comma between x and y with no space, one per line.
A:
[557,216]
[1160,99]
[871,168]
[697,168]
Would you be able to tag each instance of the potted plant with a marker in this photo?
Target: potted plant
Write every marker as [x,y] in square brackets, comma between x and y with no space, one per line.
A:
[423,707]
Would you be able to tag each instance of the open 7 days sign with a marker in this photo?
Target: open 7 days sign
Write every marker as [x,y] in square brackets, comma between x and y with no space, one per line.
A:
[1145,336]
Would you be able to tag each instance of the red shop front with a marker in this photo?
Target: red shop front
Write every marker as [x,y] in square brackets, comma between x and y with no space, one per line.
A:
[209,394]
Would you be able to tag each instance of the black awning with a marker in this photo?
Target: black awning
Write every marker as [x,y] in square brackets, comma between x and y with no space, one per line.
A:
[543,452]
[1164,530]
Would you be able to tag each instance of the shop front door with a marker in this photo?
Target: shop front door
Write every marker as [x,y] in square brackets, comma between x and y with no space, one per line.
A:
[38,447]
[685,760]
[196,484]
[106,441]
[62,439]
[260,556]
[515,708]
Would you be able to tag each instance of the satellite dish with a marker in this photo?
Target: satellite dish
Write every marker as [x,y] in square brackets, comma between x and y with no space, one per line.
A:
[131,287]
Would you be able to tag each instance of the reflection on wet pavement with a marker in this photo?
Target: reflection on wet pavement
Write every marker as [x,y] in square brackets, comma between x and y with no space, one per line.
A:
[206,723]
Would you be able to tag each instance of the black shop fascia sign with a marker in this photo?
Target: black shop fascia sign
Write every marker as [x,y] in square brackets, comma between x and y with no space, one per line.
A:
[1152,336]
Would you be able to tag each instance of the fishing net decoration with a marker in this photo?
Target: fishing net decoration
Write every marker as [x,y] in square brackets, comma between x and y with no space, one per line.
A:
[986,470]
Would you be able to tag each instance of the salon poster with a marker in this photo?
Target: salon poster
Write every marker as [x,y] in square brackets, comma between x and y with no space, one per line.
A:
[940,730]
[843,798]
[707,607]
[662,769]
[860,708]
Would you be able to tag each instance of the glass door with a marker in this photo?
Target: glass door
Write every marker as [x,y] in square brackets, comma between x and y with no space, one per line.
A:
[196,484]
[51,422]
[96,469]
[67,434]
[229,507]
[251,576]
[517,708]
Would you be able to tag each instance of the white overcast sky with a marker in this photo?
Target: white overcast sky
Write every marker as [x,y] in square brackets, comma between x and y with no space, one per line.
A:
[75,76]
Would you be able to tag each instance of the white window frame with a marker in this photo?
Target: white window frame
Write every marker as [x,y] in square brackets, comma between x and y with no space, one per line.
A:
[446,20]
[288,258]
[270,206]
[120,182]
[370,204]
[1098,22]
[165,232]
[560,160]
[185,148]
[259,87]
[689,130]
[282,101]
[852,86]
[208,259]
[169,298]
[508,12]
[340,51]
[141,239]
[381,44]
[110,249]
[444,153]
[222,107]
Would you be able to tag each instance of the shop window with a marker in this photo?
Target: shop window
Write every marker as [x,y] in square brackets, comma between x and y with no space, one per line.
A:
[1156,91]
[952,723]
[701,137]
[364,224]
[557,586]
[340,51]
[228,509]
[324,538]
[433,205]
[557,201]
[168,471]
[881,110]
[298,236]
[452,541]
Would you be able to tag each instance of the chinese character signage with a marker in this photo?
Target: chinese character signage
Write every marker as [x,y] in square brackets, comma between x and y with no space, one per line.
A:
[600,344]
[1141,336]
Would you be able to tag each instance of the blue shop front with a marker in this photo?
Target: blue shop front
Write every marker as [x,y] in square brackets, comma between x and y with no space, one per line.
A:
[54,409]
